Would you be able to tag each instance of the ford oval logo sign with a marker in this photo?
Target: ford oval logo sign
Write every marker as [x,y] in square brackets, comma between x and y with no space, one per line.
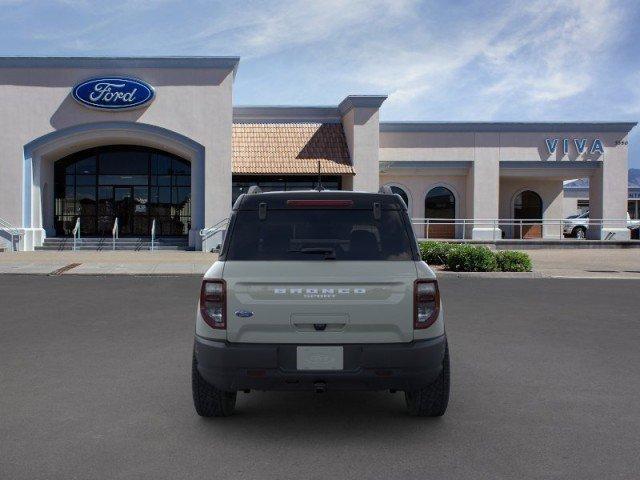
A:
[113,93]
[243,313]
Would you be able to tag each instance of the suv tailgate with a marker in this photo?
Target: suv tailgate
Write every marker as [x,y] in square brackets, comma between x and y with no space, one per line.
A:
[320,302]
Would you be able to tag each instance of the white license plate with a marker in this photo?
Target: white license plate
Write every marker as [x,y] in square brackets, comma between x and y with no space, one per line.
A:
[320,358]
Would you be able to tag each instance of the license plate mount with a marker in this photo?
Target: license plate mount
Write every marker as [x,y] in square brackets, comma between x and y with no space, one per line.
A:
[320,358]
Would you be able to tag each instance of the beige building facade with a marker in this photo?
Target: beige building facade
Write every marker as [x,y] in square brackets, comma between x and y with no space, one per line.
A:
[178,159]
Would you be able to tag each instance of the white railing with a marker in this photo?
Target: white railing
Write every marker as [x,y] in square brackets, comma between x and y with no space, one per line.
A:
[115,233]
[213,237]
[12,232]
[76,234]
[517,229]
[153,235]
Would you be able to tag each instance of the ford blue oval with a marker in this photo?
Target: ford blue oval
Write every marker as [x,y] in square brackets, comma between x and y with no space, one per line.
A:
[113,93]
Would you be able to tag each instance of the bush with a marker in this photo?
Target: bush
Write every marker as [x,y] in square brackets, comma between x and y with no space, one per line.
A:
[509,261]
[471,258]
[435,253]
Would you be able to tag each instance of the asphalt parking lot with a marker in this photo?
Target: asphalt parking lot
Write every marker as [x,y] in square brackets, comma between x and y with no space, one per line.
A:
[95,383]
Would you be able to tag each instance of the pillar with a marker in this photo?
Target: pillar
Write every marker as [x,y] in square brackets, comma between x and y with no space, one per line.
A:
[361,124]
[484,181]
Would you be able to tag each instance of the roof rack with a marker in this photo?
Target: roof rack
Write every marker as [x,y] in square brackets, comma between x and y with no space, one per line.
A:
[253,189]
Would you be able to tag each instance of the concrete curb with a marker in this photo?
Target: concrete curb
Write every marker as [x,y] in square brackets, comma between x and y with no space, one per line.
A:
[446,273]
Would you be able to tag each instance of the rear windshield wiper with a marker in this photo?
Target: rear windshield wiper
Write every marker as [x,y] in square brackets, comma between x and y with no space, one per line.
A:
[329,253]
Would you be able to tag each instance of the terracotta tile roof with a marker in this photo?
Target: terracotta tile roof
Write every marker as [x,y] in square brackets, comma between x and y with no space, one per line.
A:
[293,148]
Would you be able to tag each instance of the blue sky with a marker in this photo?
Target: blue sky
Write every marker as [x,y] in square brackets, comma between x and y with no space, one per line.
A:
[437,60]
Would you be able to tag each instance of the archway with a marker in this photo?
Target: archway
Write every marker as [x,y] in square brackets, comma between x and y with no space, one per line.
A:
[41,154]
[440,209]
[527,211]
[133,184]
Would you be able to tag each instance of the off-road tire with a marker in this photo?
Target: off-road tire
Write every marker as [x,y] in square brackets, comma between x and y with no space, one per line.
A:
[432,400]
[207,399]
[580,233]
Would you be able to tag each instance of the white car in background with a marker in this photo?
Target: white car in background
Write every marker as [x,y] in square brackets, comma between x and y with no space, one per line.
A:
[577,225]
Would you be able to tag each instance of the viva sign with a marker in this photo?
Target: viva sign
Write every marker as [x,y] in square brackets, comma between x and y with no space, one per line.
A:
[580,144]
[113,93]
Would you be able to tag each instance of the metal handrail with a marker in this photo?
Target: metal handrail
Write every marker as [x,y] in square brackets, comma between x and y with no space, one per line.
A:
[153,234]
[12,231]
[207,233]
[76,234]
[115,232]
[463,226]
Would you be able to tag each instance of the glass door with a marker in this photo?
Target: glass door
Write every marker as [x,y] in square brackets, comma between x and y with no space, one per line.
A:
[123,208]
[140,214]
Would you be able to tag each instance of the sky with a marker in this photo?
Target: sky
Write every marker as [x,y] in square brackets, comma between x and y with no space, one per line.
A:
[441,60]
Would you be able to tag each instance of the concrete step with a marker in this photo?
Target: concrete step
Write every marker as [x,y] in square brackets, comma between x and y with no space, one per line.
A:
[126,243]
[106,248]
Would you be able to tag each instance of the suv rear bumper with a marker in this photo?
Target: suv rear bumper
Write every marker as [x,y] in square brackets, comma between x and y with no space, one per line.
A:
[398,366]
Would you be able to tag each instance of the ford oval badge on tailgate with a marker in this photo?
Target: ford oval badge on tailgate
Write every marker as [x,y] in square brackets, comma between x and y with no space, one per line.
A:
[243,313]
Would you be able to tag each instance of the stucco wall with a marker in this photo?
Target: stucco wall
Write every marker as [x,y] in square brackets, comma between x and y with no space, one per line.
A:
[193,102]
[550,191]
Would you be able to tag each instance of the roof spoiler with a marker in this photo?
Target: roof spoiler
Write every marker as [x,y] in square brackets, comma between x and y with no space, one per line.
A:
[386,190]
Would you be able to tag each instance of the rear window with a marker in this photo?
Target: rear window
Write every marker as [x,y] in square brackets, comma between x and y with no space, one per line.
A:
[319,235]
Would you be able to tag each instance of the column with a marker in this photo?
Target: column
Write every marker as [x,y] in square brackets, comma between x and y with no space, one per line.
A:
[485,183]
[608,195]
[361,124]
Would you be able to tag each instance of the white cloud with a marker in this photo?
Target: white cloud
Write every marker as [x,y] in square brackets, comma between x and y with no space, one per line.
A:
[264,28]
[536,54]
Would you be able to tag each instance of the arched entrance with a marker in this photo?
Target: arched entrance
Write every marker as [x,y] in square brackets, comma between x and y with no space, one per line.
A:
[440,203]
[131,183]
[527,211]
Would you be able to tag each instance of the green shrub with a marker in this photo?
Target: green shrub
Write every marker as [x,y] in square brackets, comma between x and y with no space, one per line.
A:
[509,261]
[435,253]
[471,258]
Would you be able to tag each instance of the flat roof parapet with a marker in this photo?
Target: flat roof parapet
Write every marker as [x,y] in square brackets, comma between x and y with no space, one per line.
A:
[223,63]
[286,114]
[506,126]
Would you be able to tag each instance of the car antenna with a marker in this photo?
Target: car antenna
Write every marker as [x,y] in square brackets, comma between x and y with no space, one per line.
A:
[320,187]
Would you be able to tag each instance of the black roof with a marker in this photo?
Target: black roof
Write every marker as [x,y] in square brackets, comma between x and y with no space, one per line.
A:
[278,200]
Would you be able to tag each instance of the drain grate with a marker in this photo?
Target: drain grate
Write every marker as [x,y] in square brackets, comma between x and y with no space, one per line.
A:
[64,269]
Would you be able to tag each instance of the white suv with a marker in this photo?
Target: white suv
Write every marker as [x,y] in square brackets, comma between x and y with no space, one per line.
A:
[577,225]
[320,290]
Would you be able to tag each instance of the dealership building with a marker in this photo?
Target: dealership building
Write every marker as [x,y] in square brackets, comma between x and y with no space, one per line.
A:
[158,141]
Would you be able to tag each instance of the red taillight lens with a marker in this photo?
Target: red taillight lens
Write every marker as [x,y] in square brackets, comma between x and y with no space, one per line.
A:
[319,203]
[426,303]
[213,301]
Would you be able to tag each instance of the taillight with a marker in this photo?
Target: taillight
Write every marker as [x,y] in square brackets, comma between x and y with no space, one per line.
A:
[426,303]
[213,306]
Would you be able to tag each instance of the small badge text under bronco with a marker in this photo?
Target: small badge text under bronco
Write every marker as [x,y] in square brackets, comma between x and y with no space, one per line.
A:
[327,292]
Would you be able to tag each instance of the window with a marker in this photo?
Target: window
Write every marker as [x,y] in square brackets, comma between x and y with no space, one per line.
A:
[133,184]
[241,183]
[528,205]
[319,235]
[440,203]
[634,209]
[583,206]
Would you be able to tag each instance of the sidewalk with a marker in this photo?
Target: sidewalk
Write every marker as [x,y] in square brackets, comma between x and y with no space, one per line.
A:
[107,263]
[551,263]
